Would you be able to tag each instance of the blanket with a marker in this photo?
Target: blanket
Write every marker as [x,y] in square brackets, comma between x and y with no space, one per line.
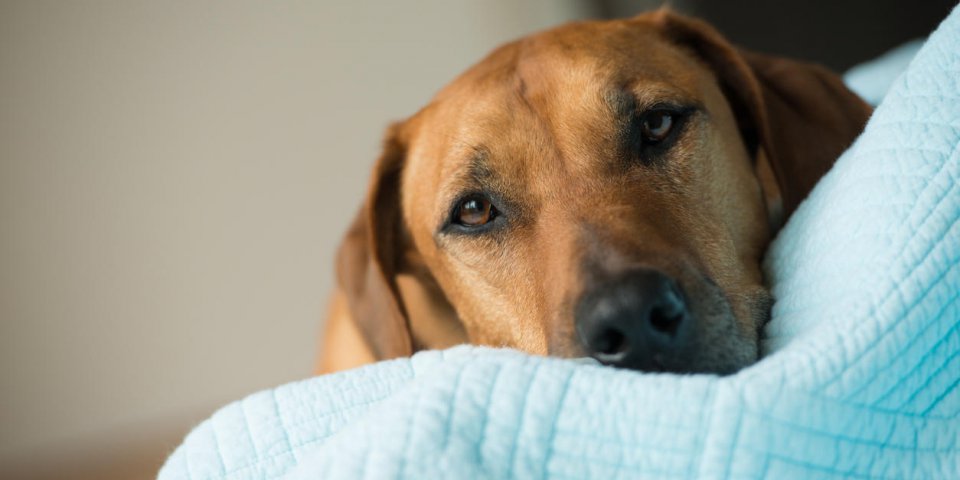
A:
[860,377]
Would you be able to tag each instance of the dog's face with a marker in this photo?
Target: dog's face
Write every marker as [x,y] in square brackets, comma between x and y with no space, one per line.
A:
[575,161]
[591,190]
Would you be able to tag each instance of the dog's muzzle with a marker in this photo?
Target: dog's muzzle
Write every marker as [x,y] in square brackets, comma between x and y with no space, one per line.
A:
[639,320]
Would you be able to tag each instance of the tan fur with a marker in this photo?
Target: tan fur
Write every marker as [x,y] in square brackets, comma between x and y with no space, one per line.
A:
[343,344]
[540,116]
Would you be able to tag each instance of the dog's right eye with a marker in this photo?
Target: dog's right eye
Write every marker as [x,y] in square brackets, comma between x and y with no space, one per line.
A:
[653,132]
[655,126]
[474,211]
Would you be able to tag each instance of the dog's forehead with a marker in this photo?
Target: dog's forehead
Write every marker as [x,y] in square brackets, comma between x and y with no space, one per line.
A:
[544,100]
[570,72]
[610,53]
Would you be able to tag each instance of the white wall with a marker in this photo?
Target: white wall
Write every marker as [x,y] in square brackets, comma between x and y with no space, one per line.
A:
[174,178]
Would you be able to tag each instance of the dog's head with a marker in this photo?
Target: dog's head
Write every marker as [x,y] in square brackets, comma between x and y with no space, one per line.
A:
[603,189]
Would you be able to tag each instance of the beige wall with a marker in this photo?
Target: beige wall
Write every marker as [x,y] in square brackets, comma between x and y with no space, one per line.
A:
[174,178]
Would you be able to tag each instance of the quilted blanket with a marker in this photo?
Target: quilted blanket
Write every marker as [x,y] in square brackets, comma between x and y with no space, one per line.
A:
[860,379]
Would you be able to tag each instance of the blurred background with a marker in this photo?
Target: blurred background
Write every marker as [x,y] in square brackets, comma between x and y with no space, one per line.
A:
[175,177]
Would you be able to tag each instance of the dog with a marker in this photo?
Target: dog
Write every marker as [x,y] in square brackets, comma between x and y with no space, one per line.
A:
[604,189]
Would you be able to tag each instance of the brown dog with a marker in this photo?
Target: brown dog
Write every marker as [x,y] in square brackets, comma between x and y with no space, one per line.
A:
[602,189]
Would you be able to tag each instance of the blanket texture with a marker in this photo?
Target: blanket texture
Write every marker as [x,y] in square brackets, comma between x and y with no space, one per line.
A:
[860,378]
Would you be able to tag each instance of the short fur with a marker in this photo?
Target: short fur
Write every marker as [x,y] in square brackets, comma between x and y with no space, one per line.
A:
[539,124]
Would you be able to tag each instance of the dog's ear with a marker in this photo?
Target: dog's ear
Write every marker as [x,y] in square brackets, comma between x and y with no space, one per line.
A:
[806,118]
[369,258]
[797,116]
[393,300]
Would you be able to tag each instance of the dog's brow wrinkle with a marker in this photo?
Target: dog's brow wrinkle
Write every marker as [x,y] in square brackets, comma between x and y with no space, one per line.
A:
[622,103]
[520,86]
[478,168]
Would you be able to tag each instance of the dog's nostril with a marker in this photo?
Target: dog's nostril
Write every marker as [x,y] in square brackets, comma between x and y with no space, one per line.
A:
[611,342]
[666,320]
[667,313]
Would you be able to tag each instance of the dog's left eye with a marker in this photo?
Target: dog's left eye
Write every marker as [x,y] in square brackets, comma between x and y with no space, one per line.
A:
[474,211]
[655,126]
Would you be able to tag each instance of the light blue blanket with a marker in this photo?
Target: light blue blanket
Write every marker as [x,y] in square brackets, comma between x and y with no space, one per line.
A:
[861,378]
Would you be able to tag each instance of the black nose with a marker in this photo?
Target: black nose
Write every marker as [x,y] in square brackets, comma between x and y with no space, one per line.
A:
[637,320]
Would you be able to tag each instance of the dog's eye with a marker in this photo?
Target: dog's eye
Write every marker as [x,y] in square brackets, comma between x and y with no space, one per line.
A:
[655,126]
[475,211]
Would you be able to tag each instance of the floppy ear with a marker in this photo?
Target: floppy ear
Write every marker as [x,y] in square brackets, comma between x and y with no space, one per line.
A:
[369,259]
[797,116]
[393,301]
